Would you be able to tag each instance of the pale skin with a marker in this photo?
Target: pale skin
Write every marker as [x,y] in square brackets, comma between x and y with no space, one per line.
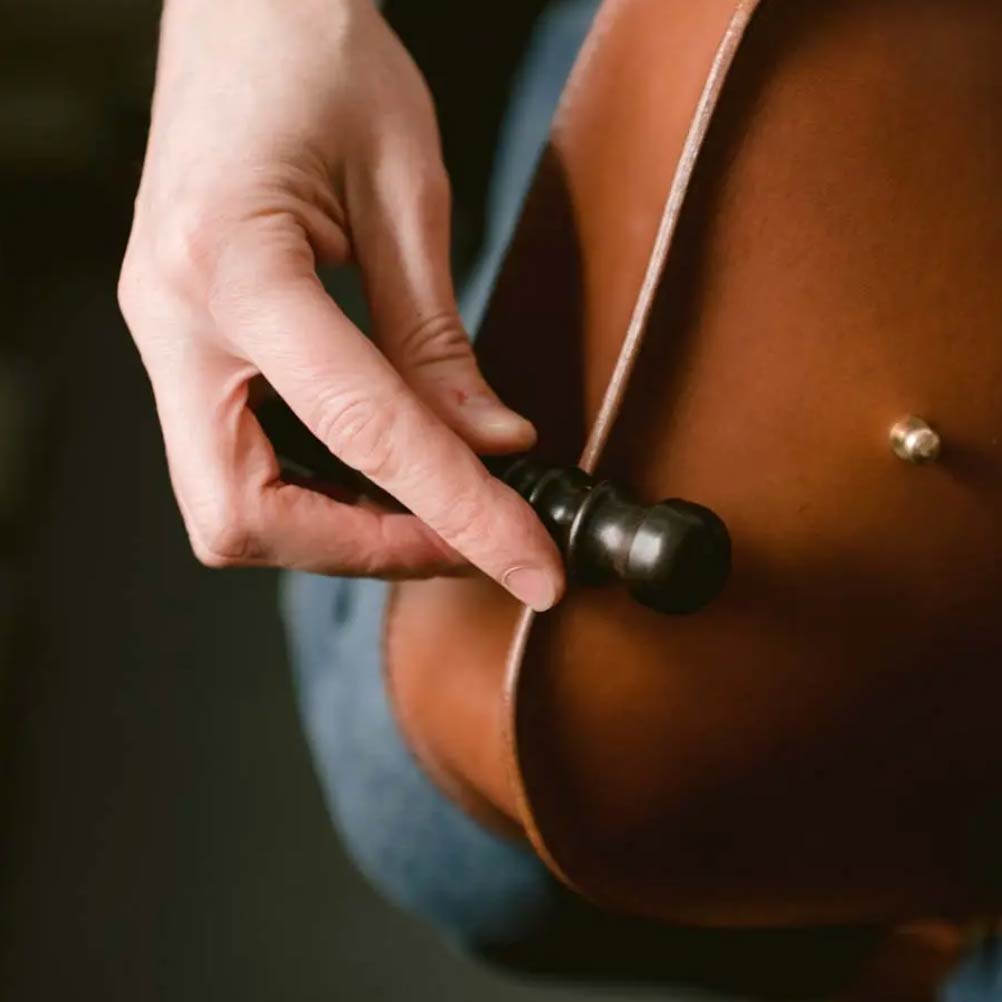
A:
[286,133]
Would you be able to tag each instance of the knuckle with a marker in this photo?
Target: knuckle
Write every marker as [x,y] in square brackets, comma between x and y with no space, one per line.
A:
[129,290]
[184,253]
[467,519]
[208,557]
[359,431]
[434,340]
[222,537]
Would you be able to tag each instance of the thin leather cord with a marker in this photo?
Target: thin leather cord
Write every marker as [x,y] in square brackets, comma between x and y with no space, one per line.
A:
[618,382]
[709,98]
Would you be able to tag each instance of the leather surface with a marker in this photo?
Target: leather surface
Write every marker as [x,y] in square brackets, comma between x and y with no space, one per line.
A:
[820,745]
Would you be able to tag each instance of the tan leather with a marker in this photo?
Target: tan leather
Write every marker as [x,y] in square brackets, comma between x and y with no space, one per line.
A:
[821,744]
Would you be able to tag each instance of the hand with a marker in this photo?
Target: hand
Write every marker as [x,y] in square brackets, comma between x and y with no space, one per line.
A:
[284,134]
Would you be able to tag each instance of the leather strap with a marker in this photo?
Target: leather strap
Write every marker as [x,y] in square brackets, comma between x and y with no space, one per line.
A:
[720,31]
[723,59]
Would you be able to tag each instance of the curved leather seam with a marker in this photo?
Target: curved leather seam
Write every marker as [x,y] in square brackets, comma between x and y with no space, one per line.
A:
[612,400]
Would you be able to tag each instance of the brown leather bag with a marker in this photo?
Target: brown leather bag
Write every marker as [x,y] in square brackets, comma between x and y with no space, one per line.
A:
[762,234]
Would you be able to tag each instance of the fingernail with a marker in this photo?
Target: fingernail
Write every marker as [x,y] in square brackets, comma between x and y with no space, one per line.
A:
[531,587]
[492,416]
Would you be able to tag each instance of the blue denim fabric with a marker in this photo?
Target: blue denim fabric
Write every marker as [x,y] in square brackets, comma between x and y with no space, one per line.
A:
[419,849]
[979,977]
[548,61]
[412,843]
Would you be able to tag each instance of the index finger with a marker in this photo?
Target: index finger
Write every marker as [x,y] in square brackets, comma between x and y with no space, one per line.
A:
[351,398]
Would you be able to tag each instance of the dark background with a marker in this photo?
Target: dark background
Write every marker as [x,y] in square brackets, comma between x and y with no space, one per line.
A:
[162,835]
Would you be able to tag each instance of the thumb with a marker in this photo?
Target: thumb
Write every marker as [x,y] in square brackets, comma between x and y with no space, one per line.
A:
[402,246]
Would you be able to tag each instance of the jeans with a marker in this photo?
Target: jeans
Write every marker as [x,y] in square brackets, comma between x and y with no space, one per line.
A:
[422,852]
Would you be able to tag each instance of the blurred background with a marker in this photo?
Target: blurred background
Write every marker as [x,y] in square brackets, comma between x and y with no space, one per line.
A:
[162,834]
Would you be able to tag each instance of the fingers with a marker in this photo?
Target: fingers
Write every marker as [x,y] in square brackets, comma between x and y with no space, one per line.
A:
[326,537]
[237,510]
[401,241]
[351,397]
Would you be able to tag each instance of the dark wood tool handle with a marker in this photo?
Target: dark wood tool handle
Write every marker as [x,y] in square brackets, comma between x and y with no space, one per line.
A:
[673,556]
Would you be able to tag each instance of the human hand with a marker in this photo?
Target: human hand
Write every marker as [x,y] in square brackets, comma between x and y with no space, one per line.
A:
[283,135]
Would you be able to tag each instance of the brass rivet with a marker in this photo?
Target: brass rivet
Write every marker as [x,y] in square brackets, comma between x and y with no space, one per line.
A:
[914,441]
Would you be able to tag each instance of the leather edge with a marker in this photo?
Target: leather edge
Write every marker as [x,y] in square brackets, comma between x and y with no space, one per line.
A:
[725,51]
